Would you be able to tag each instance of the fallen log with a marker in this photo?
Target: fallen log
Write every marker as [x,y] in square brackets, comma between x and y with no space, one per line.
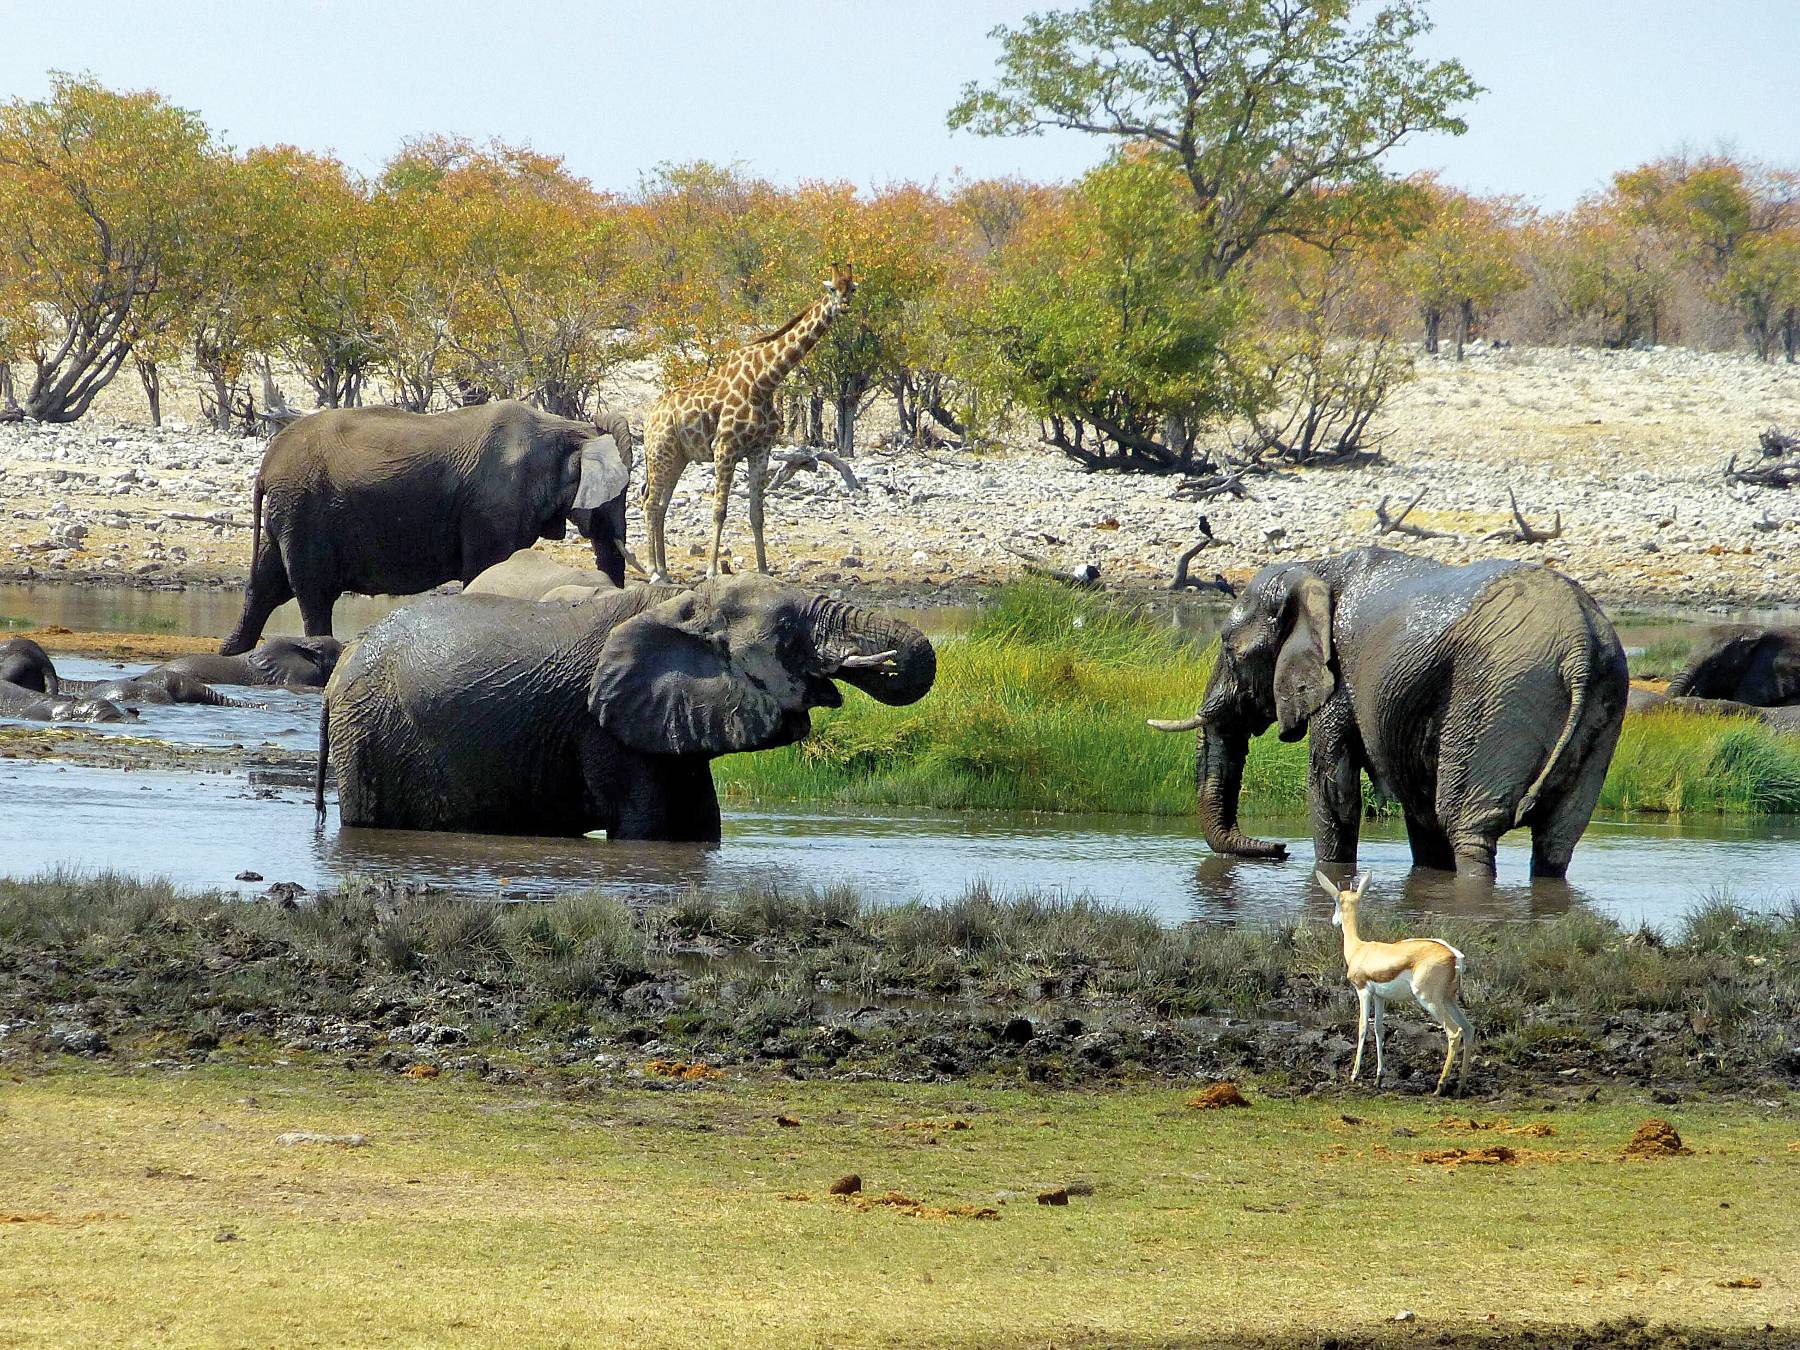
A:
[1385,524]
[1522,530]
[796,461]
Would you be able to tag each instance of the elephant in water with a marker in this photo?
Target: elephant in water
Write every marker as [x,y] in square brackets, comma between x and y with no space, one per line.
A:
[1479,698]
[36,706]
[1785,717]
[385,502]
[28,666]
[1760,666]
[531,575]
[492,714]
[281,662]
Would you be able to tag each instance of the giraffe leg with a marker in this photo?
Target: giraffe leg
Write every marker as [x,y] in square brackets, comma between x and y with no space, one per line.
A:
[724,466]
[662,470]
[756,466]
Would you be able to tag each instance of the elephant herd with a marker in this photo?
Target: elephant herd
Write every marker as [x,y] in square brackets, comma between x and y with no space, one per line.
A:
[546,699]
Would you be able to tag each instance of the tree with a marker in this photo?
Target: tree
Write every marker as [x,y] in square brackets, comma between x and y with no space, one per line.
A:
[1103,325]
[99,192]
[1460,261]
[1608,271]
[1258,102]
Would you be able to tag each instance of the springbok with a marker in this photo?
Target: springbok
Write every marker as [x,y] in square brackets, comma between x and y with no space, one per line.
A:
[1429,970]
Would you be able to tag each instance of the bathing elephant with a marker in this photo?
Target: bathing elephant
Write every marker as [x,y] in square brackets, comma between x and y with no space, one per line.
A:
[1744,664]
[1479,698]
[493,714]
[36,706]
[25,664]
[280,662]
[531,575]
[385,502]
[1784,717]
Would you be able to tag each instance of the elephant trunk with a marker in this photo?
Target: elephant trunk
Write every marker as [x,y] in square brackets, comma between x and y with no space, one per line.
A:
[849,639]
[1218,778]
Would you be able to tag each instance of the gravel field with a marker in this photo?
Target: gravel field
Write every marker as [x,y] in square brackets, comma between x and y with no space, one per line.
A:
[1627,446]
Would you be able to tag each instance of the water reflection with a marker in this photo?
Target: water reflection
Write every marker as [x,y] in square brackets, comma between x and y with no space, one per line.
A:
[201,830]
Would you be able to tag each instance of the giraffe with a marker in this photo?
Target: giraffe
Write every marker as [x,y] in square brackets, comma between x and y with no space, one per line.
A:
[729,415]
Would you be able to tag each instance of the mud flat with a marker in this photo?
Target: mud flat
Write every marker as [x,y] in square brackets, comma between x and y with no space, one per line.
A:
[1627,446]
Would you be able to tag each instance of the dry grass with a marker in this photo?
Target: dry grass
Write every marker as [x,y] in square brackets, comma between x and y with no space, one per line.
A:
[691,1218]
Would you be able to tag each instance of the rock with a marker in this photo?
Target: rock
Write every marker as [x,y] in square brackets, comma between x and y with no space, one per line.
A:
[248,875]
[296,1138]
[78,1040]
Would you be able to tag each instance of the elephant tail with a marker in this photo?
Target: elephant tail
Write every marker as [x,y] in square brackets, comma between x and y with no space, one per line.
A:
[256,496]
[324,756]
[1576,668]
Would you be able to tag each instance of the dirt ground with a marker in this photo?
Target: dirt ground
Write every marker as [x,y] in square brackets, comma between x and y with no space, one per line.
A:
[1626,447]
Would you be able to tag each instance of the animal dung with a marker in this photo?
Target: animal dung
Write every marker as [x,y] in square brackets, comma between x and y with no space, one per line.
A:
[1056,1195]
[1221,1094]
[1655,1138]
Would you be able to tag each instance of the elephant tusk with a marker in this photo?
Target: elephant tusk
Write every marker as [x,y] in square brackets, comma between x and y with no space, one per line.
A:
[1193,723]
[864,662]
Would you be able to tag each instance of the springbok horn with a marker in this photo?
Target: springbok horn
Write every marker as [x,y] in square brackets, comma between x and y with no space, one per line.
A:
[1186,724]
[864,662]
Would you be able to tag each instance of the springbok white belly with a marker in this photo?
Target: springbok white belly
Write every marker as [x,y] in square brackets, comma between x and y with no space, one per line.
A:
[1401,986]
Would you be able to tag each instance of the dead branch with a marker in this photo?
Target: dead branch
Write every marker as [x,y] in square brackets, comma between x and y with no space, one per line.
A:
[1780,473]
[1523,531]
[1384,524]
[1183,582]
[1086,577]
[795,461]
[1212,485]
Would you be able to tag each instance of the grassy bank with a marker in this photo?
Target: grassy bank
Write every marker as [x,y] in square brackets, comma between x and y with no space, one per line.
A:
[827,984]
[693,1218]
[1042,708]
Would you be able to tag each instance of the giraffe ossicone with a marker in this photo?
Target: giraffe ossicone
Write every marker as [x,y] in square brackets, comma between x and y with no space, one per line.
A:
[728,416]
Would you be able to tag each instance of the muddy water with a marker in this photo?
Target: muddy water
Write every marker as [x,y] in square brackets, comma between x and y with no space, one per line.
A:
[202,830]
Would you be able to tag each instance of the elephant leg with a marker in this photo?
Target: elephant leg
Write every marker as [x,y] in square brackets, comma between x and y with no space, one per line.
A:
[1334,778]
[268,588]
[1430,845]
[316,605]
[756,466]
[637,796]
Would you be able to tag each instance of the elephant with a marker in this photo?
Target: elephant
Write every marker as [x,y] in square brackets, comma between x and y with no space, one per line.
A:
[1745,664]
[280,662]
[492,714]
[531,575]
[36,706]
[1479,698]
[25,664]
[386,502]
[1782,717]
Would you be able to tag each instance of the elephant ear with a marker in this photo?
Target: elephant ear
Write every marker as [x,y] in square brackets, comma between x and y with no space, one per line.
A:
[665,684]
[604,473]
[1303,675]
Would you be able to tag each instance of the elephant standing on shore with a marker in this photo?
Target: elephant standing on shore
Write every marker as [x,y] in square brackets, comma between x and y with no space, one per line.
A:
[1759,666]
[384,502]
[28,666]
[1479,698]
[493,714]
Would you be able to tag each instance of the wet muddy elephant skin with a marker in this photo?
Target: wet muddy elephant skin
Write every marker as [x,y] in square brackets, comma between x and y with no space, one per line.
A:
[499,715]
[36,706]
[531,575]
[1478,698]
[1784,717]
[379,501]
[1760,666]
[27,665]
[281,662]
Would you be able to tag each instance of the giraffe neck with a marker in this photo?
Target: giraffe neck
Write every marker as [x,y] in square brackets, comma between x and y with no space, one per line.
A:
[768,363]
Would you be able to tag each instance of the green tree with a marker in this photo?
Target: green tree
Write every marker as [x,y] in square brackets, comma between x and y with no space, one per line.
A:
[1460,261]
[1100,325]
[99,194]
[1259,102]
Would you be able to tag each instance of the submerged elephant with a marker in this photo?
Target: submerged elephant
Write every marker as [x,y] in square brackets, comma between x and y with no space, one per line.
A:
[1745,664]
[36,706]
[25,664]
[384,502]
[493,714]
[280,662]
[1479,698]
[531,575]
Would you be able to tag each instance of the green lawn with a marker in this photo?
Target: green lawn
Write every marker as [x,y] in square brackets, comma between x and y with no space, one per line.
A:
[689,1216]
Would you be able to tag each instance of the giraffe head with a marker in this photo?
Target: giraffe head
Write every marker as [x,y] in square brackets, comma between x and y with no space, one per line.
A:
[840,287]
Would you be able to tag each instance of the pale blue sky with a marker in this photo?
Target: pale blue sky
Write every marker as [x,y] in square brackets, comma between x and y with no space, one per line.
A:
[858,89]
